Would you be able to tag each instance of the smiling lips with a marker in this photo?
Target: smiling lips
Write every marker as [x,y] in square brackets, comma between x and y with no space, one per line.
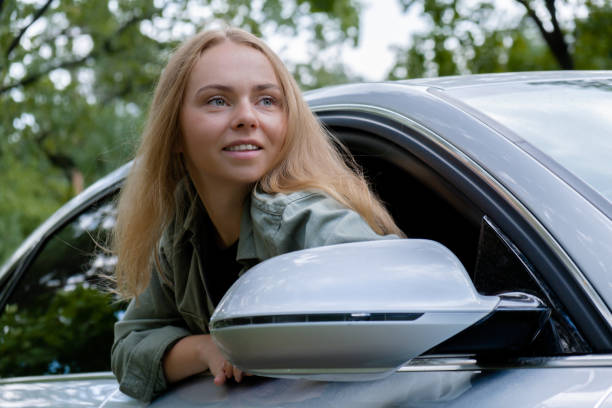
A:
[242,148]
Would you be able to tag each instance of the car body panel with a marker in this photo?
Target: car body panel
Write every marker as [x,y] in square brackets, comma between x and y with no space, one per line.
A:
[66,391]
[524,387]
[454,386]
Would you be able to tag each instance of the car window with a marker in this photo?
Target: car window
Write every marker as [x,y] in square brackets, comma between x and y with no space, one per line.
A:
[501,268]
[425,205]
[59,318]
[575,132]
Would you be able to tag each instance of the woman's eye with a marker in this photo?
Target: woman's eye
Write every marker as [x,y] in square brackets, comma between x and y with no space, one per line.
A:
[267,101]
[216,101]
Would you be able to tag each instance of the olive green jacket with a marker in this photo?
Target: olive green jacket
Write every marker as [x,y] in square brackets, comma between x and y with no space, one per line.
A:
[176,304]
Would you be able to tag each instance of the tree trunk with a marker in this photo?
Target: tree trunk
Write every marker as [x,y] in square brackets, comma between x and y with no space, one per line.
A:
[554,39]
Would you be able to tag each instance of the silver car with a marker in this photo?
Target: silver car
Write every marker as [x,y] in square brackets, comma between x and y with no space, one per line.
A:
[502,297]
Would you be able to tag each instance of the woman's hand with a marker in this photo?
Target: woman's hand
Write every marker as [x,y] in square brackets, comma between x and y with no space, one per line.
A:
[220,368]
[227,371]
[195,354]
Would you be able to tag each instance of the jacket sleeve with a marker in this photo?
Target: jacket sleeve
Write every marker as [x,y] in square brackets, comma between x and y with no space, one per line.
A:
[318,220]
[149,327]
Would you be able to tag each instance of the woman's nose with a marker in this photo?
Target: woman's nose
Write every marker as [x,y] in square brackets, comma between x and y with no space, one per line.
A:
[245,116]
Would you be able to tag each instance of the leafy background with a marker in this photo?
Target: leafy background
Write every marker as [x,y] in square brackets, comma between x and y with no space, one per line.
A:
[76,75]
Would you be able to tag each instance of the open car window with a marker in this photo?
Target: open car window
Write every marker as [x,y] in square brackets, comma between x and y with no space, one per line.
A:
[427,205]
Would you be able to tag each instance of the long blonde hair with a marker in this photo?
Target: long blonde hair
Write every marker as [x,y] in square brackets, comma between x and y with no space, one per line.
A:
[308,160]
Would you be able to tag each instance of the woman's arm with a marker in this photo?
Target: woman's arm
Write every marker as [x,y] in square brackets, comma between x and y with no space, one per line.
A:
[195,354]
[149,328]
[154,347]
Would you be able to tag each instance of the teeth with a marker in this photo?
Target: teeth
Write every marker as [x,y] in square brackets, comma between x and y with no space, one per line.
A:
[242,147]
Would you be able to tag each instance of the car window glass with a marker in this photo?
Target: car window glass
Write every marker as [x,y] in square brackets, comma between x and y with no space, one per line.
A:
[501,267]
[59,318]
[574,133]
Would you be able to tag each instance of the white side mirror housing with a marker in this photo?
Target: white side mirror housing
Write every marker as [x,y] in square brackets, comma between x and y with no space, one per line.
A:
[346,312]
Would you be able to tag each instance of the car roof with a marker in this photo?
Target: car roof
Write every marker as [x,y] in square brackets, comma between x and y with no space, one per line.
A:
[499,79]
[449,83]
[392,94]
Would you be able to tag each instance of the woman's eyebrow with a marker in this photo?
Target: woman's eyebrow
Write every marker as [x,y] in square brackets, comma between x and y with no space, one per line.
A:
[264,87]
[216,87]
[226,88]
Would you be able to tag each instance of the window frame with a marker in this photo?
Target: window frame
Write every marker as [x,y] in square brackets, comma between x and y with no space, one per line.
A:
[482,189]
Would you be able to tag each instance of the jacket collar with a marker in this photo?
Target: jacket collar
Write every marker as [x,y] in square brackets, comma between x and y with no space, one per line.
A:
[195,212]
[195,218]
[247,250]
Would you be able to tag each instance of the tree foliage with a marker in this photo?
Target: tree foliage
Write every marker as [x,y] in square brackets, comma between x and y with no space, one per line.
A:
[76,77]
[479,36]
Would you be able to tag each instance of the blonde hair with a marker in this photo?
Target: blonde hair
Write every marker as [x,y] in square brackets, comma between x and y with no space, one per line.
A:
[308,160]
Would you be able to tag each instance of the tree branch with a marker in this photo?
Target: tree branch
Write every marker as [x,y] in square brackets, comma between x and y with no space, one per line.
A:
[555,40]
[120,30]
[531,12]
[36,76]
[550,5]
[106,45]
[558,39]
[65,163]
[17,39]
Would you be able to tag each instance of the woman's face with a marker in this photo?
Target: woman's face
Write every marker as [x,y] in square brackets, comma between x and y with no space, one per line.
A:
[232,119]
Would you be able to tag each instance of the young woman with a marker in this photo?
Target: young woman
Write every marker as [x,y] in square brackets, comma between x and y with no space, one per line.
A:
[233,168]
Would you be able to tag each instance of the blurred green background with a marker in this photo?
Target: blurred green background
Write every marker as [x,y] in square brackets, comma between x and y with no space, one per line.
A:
[76,75]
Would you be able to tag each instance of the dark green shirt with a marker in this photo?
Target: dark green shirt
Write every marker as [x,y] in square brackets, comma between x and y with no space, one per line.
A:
[176,303]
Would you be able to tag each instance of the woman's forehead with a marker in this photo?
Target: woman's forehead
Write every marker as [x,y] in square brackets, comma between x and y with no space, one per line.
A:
[229,61]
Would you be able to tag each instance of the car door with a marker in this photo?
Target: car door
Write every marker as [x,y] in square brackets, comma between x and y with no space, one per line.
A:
[58,309]
[434,190]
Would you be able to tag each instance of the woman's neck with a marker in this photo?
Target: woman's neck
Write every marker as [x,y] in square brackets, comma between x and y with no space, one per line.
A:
[224,207]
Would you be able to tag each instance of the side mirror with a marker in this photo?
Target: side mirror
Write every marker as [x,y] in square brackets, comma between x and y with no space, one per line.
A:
[346,312]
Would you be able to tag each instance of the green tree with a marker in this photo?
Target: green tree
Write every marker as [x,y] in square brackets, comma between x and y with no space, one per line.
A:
[467,36]
[76,77]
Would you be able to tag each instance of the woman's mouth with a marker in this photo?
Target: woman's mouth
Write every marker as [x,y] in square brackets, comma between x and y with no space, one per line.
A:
[242,148]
